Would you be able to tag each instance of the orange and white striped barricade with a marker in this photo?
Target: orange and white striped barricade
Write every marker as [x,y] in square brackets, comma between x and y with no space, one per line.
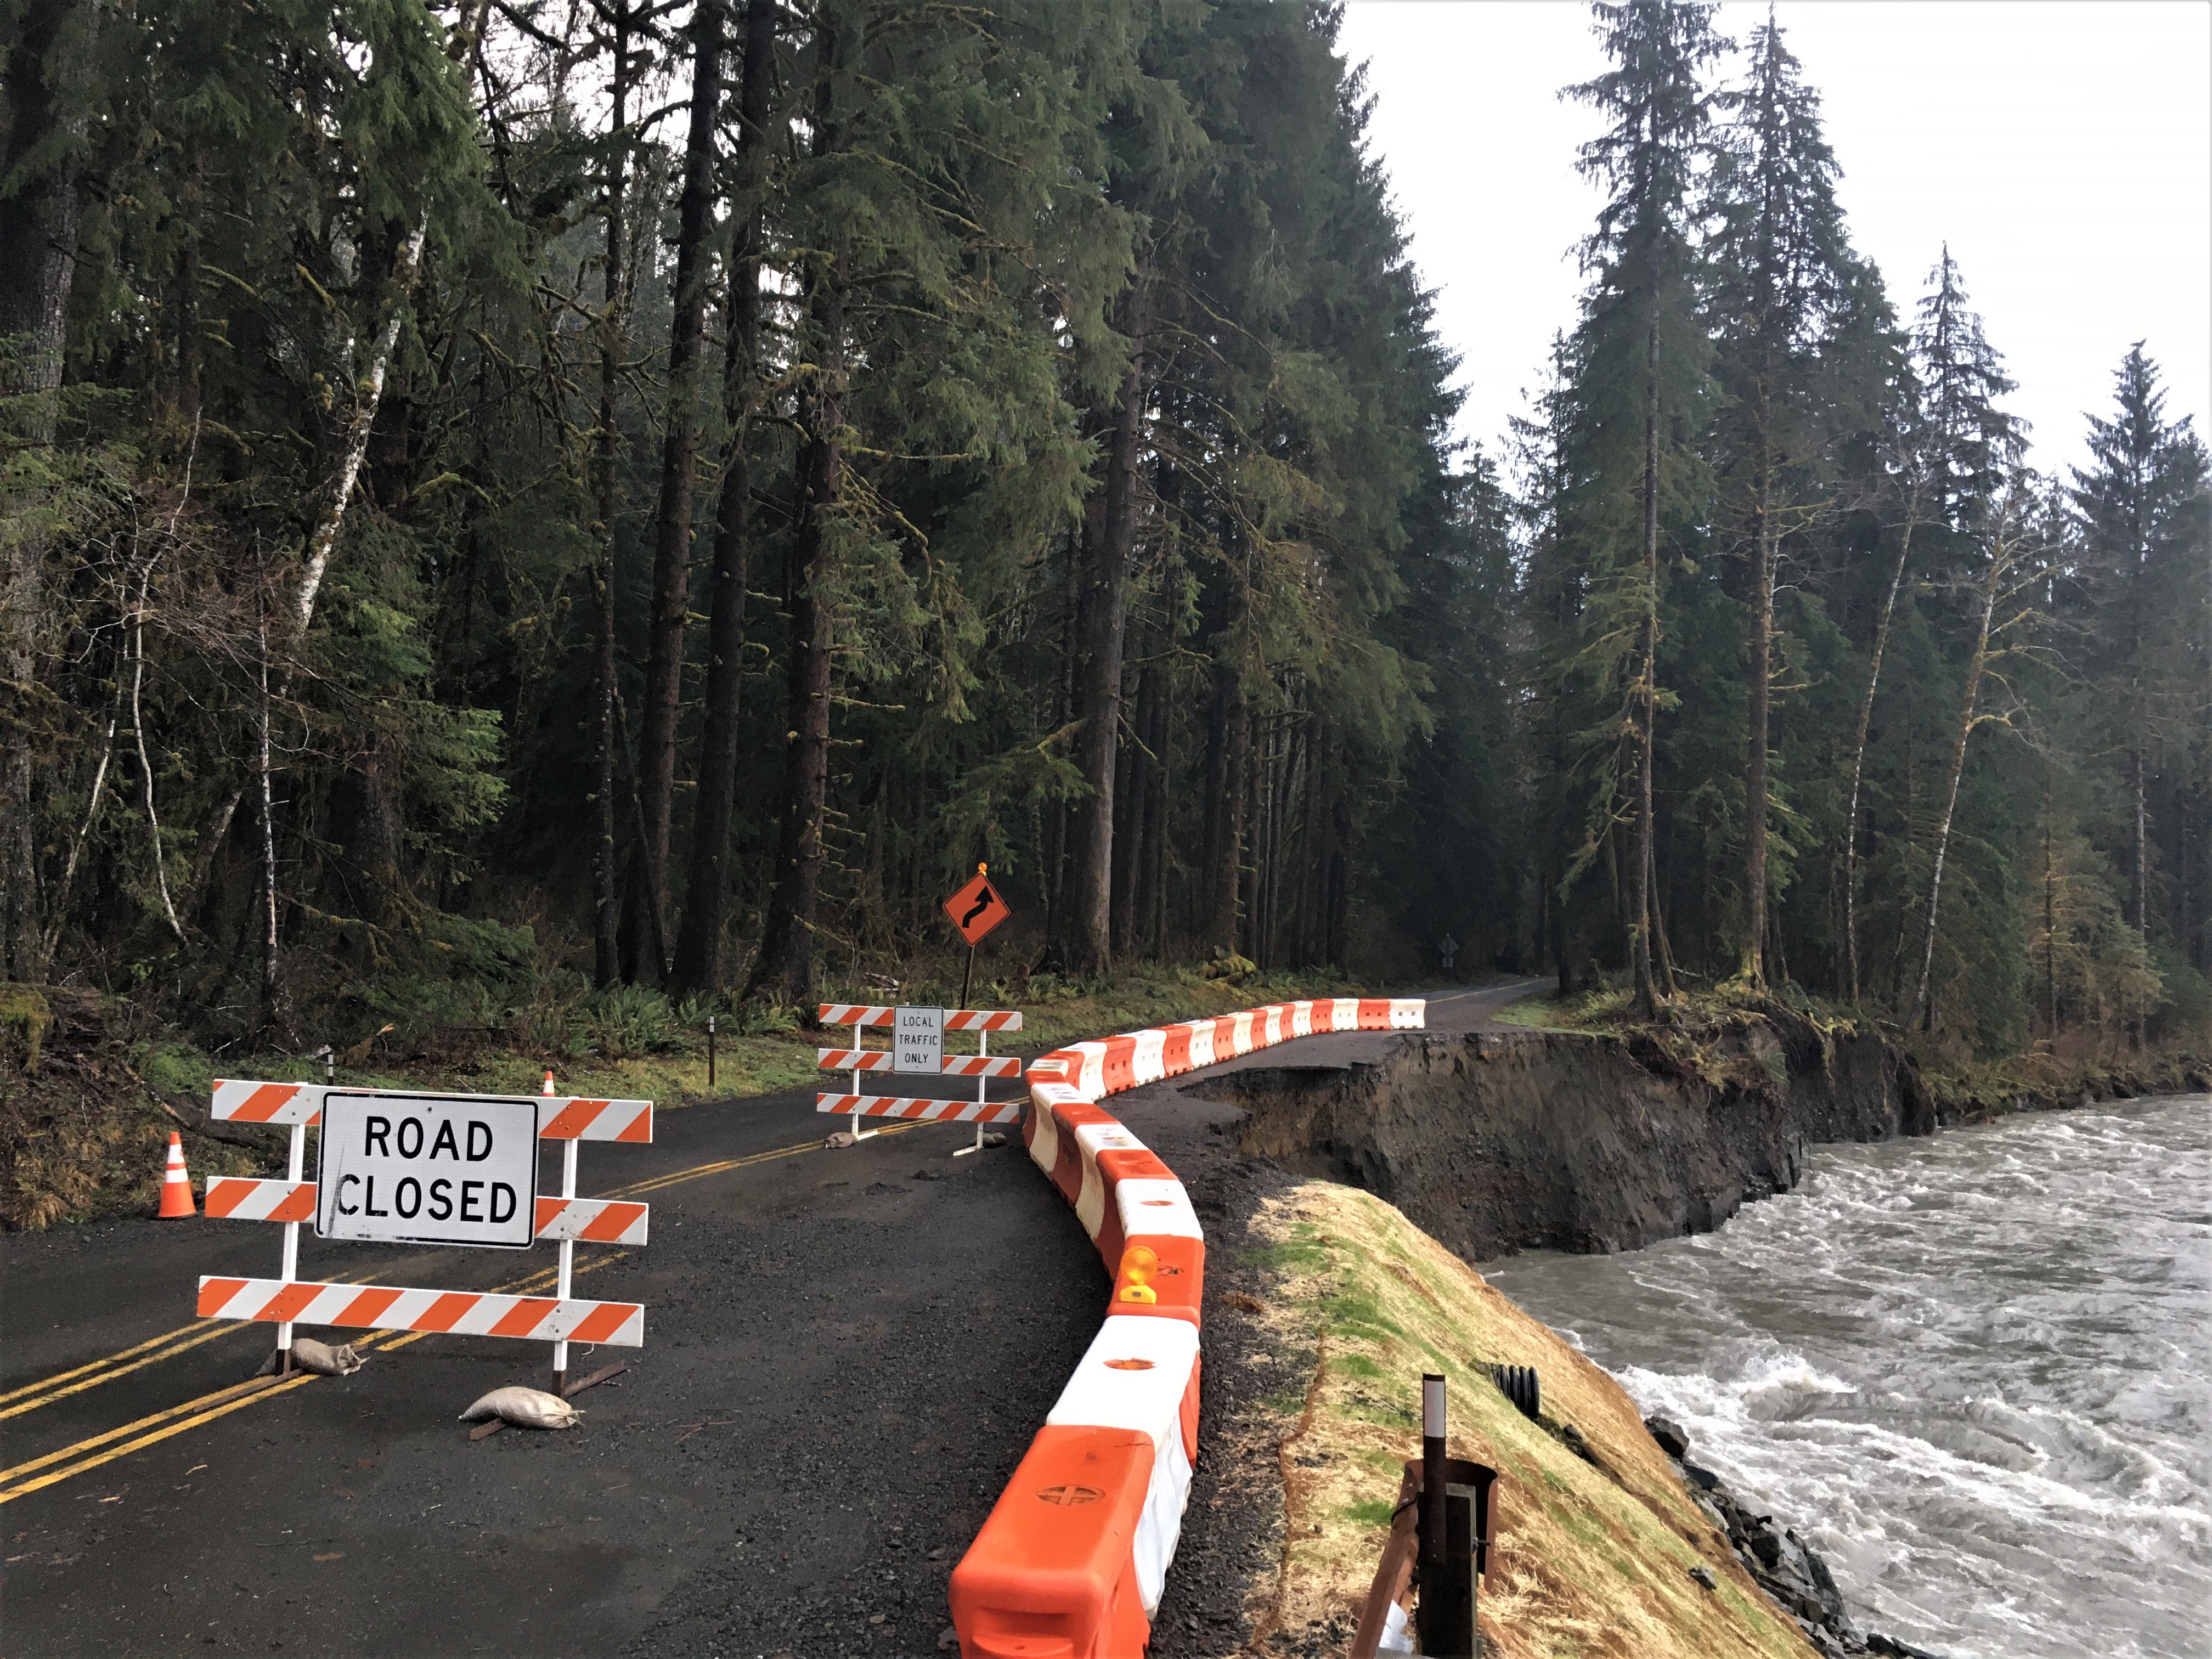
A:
[982,1066]
[565,1217]
[1074,1558]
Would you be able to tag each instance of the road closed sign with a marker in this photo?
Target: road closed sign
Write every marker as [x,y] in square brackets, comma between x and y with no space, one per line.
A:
[425,1170]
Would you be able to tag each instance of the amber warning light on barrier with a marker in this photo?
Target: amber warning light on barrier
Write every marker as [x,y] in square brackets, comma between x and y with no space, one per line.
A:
[976,909]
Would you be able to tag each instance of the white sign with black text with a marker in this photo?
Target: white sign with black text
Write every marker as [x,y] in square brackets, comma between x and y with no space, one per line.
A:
[918,1040]
[427,1169]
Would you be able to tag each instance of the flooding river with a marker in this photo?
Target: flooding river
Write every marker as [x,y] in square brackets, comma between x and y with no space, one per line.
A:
[1975,1371]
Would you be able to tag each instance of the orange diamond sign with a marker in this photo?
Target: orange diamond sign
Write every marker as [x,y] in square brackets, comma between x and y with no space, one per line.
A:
[976,909]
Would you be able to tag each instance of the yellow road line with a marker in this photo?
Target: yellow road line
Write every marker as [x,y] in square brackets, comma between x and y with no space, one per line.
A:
[222,1328]
[108,1375]
[161,1426]
[121,1353]
[98,1440]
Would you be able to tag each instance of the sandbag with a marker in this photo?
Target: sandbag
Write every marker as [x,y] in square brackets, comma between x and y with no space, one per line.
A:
[309,1355]
[526,1408]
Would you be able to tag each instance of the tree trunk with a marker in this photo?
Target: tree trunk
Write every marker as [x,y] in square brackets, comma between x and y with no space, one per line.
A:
[706,896]
[1761,686]
[679,467]
[146,766]
[606,863]
[1866,724]
[1086,944]
[1639,934]
[2143,881]
[42,85]
[275,1010]
[784,970]
[1225,835]
[1922,1004]
[2050,916]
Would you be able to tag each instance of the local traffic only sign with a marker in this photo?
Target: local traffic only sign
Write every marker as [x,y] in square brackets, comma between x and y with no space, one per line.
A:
[427,1169]
[918,1040]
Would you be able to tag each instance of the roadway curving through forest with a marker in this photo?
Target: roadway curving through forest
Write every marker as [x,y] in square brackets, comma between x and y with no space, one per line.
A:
[847,1352]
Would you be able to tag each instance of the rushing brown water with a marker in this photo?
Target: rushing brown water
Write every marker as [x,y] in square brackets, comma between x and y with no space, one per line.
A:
[1975,1373]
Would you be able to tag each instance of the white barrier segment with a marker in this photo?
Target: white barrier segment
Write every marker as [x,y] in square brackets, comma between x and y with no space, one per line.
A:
[1156,1206]
[1201,1043]
[1044,1145]
[1090,1138]
[1302,1019]
[1090,1078]
[1409,1014]
[1147,1064]
[1134,1377]
[1240,1033]
[1344,1013]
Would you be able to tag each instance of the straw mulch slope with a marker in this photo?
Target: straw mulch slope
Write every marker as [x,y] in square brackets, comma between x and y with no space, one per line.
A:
[1593,1558]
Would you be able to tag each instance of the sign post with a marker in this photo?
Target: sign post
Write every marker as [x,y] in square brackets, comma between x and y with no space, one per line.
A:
[974,910]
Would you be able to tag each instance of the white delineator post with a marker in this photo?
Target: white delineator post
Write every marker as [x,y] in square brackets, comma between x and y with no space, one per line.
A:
[568,1261]
[859,1018]
[294,1170]
[983,1090]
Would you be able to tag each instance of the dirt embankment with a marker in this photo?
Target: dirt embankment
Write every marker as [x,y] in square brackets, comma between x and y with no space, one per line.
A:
[1495,1142]
[1340,1306]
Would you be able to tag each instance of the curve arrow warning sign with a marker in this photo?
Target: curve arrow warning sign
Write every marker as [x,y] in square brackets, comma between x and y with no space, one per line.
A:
[976,909]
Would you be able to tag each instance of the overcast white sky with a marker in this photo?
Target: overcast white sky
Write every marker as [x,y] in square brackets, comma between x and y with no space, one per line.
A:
[2064,148]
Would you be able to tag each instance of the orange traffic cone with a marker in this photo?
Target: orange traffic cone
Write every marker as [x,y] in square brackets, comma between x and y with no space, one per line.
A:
[548,1085]
[176,1185]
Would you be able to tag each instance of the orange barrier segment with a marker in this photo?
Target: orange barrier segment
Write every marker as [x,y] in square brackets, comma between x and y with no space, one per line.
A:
[1049,1576]
[1170,1271]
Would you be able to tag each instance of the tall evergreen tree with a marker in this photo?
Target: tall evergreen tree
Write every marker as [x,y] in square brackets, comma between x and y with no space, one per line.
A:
[2143,525]
[1785,280]
[1642,367]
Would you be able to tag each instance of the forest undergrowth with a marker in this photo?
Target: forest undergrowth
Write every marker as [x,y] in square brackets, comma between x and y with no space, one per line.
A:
[91,1086]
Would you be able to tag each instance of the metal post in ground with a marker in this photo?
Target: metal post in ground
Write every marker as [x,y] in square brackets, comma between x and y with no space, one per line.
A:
[710,1051]
[1447,1528]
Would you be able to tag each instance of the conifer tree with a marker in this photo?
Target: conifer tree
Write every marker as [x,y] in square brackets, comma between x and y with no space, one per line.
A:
[1643,367]
[2142,518]
[1785,280]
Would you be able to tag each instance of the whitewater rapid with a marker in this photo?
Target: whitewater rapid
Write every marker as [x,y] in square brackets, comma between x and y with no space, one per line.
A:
[1973,1371]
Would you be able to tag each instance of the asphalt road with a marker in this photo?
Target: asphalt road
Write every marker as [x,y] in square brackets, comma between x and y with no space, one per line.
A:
[847,1351]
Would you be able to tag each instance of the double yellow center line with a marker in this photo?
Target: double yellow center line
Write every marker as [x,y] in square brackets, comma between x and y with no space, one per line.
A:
[159,1427]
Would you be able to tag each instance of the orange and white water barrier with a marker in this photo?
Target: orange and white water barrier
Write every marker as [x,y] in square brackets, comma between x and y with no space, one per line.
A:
[1071,1563]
